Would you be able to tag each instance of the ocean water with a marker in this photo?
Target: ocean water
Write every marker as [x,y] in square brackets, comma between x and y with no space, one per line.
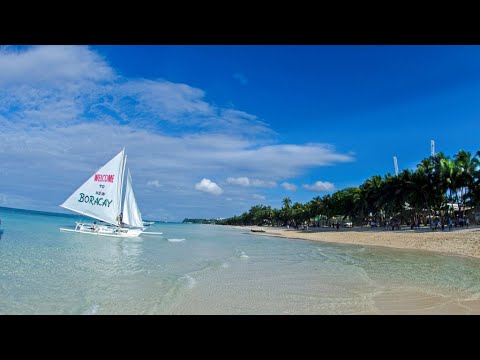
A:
[208,269]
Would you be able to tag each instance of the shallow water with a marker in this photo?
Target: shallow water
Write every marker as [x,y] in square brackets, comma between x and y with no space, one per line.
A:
[208,269]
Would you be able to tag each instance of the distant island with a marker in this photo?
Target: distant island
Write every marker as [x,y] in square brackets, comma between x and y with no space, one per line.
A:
[203,221]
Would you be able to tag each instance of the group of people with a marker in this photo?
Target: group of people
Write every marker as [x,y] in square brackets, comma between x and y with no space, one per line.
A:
[441,222]
[119,219]
[336,225]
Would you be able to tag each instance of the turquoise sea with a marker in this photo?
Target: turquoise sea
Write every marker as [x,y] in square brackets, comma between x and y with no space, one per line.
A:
[208,269]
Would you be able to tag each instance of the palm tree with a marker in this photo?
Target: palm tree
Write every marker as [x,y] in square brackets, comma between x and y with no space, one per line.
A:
[432,189]
[467,168]
[372,191]
[449,180]
[316,205]
[286,202]
[475,190]
[286,209]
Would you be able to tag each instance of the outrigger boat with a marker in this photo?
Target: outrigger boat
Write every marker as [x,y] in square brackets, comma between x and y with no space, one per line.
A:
[100,197]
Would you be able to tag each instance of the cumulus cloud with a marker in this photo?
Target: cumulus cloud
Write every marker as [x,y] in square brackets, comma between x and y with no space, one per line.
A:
[208,186]
[320,186]
[288,186]
[259,197]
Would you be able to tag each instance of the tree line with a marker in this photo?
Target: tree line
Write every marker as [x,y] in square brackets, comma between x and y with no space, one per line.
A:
[201,221]
[415,196]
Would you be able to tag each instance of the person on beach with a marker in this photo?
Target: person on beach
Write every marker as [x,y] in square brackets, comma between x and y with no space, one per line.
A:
[467,222]
[338,226]
[120,219]
[450,224]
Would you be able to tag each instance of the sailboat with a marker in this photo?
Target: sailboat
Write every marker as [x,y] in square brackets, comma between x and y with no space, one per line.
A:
[100,197]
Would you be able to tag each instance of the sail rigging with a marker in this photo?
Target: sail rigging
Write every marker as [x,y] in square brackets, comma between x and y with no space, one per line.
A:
[100,197]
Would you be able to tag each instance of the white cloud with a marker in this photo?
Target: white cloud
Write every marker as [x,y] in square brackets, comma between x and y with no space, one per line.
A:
[242,181]
[245,181]
[154,183]
[53,64]
[288,186]
[320,186]
[208,186]
[259,197]
[72,84]
[65,112]
[241,78]
[165,100]
[263,183]
[65,163]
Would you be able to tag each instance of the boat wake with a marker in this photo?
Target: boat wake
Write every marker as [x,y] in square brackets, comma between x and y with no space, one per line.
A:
[176,240]
[241,254]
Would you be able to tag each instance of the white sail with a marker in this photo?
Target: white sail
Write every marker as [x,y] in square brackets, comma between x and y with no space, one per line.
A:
[131,213]
[100,196]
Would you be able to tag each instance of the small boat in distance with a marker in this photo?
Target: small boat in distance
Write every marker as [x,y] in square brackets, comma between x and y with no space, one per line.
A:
[257,230]
[100,197]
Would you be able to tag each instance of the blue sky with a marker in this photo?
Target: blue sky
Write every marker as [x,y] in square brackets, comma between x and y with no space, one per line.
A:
[212,130]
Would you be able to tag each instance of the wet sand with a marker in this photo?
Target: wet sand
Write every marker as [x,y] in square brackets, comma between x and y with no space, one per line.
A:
[401,300]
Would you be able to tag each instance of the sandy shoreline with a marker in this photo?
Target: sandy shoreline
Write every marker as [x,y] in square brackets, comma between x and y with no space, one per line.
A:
[463,242]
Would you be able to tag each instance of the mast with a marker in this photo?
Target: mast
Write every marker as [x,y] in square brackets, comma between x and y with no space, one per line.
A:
[120,188]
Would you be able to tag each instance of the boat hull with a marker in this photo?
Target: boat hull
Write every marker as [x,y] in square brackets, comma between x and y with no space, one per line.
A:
[105,230]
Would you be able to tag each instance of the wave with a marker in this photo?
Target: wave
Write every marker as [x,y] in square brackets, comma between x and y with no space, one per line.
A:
[189,280]
[176,240]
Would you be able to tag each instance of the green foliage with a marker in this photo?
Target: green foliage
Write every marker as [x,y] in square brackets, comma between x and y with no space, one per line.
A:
[437,182]
[202,221]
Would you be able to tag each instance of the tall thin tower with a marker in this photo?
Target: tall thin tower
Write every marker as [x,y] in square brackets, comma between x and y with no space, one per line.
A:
[395,163]
[432,147]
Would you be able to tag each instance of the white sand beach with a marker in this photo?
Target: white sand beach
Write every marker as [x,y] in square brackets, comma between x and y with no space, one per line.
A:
[458,241]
